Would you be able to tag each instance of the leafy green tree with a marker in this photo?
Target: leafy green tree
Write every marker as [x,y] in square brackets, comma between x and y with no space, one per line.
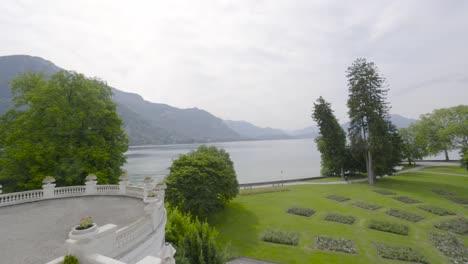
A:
[414,147]
[464,158]
[202,182]
[65,126]
[331,141]
[195,241]
[370,130]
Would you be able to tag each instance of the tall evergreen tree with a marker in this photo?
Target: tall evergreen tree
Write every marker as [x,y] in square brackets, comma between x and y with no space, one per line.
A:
[331,141]
[370,130]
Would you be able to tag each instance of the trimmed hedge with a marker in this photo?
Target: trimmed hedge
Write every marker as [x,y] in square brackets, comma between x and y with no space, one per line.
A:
[339,218]
[435,210]
[451,246]
[389,227]
[458,225]
[407,200]
[442,192]
[335,244]
[366,205]
[70,259]
[459,200]
[337,198]
[384,192]
[389,251]
[301,211]
[404,215]
[281,237]
[262,190]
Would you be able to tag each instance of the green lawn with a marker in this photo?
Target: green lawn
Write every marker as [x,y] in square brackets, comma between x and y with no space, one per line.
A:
[248,216]
[448,169]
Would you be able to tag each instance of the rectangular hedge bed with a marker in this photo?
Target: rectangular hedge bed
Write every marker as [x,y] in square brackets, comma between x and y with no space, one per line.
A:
[442,192]
[435,210]
[384,192]
[366,205]
[407,200]
[335,244]
[389,227]
[281,237]
[343,219]
[458,225]
[301,211]
[459,200]
[451,246]
[389,251]
[404,215]
[337,198]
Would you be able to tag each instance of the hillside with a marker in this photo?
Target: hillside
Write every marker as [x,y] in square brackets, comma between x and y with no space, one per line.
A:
[252,131]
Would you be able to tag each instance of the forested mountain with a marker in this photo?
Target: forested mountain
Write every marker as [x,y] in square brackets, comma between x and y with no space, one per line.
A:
[251,131]
[145,122]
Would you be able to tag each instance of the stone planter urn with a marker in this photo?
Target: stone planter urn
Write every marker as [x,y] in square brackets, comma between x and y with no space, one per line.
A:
[151,197]
[78,233]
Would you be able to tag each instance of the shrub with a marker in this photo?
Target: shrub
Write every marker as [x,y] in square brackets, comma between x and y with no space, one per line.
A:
[301,211]
[389,227]
[458,225]
[344,219]
[86,222]
[384,192]
[435,210]
[335,244]
[459,200]
[404,215]
[281,237]
[451,246]
[262,190]
[70,259]
[337,198]
[405,199]
[442,192]
[366,205]
[399,253]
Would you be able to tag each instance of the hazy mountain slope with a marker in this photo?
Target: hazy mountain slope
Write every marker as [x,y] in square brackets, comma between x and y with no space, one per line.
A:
[145,122]
[398,120]
[251,131]
[307,132]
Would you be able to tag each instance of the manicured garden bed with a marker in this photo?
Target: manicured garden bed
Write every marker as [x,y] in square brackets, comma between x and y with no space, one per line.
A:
[442,192]
[436,210]
[254,191]
[337,198]
[451,246]
[366,205]
[459,200]
[409,254]
[404,215]
[458,225]
[390,227]
[335,244]
[384,192]
[407,200]
[281,237]
[339,218]
[301,211]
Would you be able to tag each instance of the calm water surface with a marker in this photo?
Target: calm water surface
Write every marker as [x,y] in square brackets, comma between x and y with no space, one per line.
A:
[254,161]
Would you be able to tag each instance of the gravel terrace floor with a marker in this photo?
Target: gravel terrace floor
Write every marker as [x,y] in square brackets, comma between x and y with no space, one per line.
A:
[35,233]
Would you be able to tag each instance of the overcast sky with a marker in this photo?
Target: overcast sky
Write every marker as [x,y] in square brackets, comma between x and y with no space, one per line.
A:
[265,62]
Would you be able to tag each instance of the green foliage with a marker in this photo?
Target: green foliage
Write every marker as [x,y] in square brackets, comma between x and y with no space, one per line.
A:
[366,205]
[202,182]
[65,126]
[451,246]
[301,211]
[337,198]
[404,215]
[389,227]
[407,200]
[335,244]
[414,145]
[254,191]
[331,141]
[399,253]
[442,192]
[194,241]
[458,225]
[464,158]
[339,218]
[435,210]
[86,222]
[281,237]
[459,200]
[70,259]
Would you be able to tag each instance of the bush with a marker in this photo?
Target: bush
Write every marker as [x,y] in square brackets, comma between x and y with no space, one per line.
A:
[389,227]
[366,205]
[202,182]
[404,215]
[459,200]
[194,241]
[451,246]
[399,253]
[384,192]
[442,192]
[435,210]
[344,219]
[335,244]
[69,259]
[254,191]
[405,199]
[301,211]
[281,237]
[458,225]
[337,198]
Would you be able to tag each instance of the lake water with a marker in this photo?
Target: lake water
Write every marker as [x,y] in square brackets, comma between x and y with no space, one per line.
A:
[254,161]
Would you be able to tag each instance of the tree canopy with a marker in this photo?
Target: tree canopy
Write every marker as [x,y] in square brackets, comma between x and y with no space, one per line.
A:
[65,126]
[202,181]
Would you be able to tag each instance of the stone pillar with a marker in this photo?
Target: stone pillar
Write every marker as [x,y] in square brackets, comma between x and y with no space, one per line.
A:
[1,189]
[148,186]
[167,254]
[161,188]
[48,187]
[91,184]
[123,182]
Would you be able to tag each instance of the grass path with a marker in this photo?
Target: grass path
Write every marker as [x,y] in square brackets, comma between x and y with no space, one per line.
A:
[248,216]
